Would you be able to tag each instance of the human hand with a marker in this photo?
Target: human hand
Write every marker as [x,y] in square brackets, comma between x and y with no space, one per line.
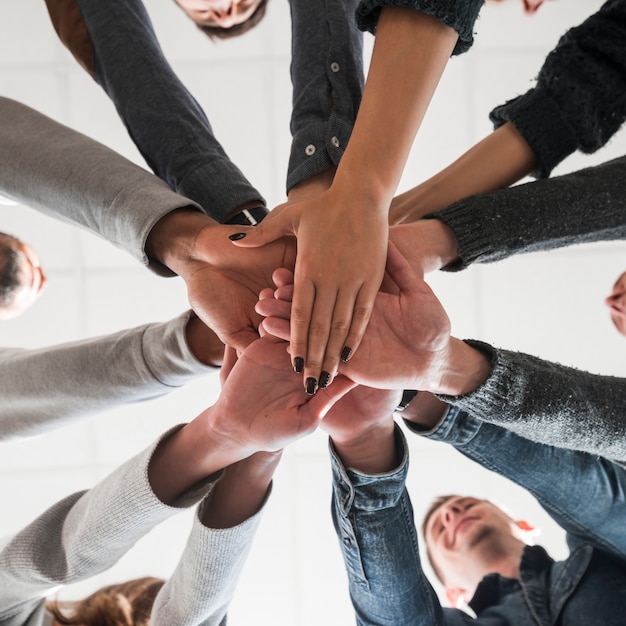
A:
[244,424]
[205,345]
[337,277]
[427,245]
[222,282]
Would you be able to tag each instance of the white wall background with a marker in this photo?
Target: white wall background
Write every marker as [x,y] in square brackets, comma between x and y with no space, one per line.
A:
[547,304]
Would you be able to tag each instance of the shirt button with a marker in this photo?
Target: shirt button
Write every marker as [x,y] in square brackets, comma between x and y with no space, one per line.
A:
[334,141]
[310,150]
[334,67]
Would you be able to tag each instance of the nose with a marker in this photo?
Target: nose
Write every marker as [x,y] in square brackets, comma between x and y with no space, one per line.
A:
[224,15]
[449,512]
[615,301]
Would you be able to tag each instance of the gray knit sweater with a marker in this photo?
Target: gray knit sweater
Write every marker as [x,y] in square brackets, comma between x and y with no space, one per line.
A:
[88,532]
[539,400]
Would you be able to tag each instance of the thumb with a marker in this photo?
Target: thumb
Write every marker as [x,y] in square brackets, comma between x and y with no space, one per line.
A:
[273,227]
[325,398]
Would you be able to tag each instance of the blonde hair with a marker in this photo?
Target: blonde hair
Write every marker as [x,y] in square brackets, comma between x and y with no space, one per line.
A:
[124,604]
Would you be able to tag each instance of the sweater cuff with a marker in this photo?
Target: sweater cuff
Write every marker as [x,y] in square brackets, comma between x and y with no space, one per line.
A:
[539,119]
[167,354]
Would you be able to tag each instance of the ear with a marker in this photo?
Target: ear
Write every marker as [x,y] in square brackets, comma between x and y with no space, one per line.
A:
[456,596]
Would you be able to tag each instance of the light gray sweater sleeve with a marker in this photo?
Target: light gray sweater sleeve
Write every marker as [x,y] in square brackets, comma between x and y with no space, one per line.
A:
[202,585]
[88,532]
[47,388]
[550,403]
[67,175]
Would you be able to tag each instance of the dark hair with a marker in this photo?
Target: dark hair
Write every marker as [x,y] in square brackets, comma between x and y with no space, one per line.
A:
[434,505]
[9,270]
[125,604]
[218,32]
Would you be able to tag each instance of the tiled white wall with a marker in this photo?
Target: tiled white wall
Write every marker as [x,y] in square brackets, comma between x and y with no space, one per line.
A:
[548,304]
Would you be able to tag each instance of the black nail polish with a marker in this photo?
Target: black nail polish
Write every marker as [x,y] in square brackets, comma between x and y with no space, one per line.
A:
[324,380]
[346,353]
[237,236]
[310,386]
[298,365]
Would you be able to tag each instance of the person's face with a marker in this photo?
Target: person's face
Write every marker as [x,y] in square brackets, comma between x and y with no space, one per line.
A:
[461,531]
[220,13]
[32,278]
[617,304]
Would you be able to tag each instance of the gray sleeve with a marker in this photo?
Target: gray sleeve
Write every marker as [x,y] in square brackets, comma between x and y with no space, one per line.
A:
[327,78]
[579,101]
[551,404]
[212,563]
[47,388]
[67,175]
[79,537]
[457,14]
[585,206]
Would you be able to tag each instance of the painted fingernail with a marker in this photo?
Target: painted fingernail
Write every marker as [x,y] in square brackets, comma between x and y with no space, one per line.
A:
[310,386]
[237,236]
[298,365]
[324,380]
[346,353]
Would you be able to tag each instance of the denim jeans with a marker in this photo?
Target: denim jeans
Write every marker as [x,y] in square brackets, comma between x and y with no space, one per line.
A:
[167,124]
[586,495]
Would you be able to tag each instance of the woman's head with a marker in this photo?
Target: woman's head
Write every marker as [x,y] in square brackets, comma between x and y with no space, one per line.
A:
[21,276]
[224,19]
[125,604]
[617,304]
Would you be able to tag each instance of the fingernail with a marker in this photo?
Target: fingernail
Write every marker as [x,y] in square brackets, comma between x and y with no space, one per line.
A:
[346,353]
[237,236]
[324,380]
[298,365]
[310,386]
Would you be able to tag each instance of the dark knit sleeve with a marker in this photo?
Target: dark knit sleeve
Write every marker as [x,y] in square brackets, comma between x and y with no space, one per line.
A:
[584,206]
[458,14]
[550,403]
[579,101]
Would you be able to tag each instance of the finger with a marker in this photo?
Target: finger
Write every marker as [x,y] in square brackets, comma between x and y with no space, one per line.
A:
[363,306]
[400,271]
[282,276]
[273,308]
[266,294]
[284,293]
[277,327]
[324,400]
[230,358]
[302,305]
[273,227]
[317,340]
[340,324]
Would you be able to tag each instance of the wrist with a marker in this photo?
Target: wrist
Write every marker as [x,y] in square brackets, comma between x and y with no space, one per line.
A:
[172,240]
[203,343]
[463,369]
[372,451]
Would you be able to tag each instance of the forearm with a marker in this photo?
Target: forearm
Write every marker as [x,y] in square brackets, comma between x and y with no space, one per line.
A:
[92,375]
[327,78]
[166,123]
[550,403]
[58,171]
[584,206]
[412,50]
[579,101]
[496,162]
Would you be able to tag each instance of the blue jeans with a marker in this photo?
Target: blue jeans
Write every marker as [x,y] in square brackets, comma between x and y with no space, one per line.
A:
[374,523]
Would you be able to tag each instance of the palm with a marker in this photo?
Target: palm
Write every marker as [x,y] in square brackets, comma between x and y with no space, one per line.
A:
[225,281]
[263,405]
